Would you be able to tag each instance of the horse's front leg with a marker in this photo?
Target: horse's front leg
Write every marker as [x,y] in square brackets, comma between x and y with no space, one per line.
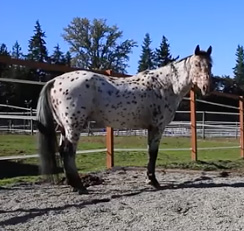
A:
[67,151]
[154,137]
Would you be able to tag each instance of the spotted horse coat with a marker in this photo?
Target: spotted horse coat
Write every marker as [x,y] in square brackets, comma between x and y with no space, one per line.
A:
[146,100]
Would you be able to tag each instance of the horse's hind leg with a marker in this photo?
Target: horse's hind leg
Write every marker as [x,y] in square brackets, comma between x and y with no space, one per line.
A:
[67,152]
[154,137]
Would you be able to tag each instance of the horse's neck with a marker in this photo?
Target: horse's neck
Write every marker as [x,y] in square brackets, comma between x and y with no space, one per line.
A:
[177,75]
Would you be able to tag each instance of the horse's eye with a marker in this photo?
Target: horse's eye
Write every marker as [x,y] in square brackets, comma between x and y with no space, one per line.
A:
[197,64]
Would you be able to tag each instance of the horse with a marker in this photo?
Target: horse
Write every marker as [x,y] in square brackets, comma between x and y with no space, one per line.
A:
[147,100]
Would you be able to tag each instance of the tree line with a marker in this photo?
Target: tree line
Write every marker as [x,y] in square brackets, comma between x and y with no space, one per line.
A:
[93,45]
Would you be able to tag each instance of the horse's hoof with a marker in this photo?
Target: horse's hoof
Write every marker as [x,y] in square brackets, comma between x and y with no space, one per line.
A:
[151,179]
[82,191]
[154,183]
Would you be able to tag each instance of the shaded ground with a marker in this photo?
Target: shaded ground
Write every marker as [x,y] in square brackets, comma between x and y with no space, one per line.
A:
[122,201]
[10,169]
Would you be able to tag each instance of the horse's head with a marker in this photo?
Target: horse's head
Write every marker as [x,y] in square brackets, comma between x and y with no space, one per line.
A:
[200,72]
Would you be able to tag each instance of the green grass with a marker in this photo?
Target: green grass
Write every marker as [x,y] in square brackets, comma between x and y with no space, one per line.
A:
[208,159]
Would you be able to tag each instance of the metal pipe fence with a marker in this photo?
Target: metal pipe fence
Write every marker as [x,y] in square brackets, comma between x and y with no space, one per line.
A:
[24,122]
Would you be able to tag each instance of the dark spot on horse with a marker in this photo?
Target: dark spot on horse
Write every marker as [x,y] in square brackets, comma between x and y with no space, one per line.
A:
[78,112]
[128,102]
[84,73]
[103,83]
[82,107]
[54,91]
[68,98]
[155,113]
[87,85]
[66,113]
[110,92]
[72,80]
[73,114]
[60,83]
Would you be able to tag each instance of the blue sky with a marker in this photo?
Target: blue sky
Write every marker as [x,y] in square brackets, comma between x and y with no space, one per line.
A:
[185,24]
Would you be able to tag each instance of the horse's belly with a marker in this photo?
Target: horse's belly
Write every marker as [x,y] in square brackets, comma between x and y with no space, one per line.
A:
[121,119]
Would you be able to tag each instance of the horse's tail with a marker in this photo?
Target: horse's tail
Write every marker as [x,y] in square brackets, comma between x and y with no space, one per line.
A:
[47,139]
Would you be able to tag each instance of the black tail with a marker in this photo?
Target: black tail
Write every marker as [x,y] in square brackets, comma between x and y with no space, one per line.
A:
[47,139]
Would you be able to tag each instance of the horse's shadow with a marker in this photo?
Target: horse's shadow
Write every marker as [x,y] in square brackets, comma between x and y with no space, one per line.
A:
[115,194]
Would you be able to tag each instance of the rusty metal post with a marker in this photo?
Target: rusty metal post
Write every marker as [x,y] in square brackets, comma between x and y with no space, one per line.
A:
[241,125]
[110,141]
[193,125]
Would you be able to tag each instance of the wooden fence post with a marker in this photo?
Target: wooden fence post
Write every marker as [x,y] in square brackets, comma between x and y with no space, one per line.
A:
[110,141]
[241,125]
[193,125]
[110,147]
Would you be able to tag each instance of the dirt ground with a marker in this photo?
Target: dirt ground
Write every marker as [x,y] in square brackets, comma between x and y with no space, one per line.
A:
[121,200]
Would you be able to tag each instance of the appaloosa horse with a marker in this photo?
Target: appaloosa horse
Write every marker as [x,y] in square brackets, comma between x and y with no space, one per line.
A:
[146,100]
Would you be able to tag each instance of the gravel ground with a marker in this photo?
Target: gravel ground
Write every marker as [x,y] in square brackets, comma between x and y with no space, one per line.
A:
[187,201]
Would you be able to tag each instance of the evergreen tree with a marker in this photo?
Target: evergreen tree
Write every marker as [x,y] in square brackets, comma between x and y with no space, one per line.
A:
[6,89]
[68,59]
[95,45]
[58,56]
[16,51]
[37,50]
[239,67]
[4,50]
[3,67]
[162,54]
[147,56]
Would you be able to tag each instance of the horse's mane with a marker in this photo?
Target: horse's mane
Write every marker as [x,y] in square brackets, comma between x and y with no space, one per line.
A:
[202,54]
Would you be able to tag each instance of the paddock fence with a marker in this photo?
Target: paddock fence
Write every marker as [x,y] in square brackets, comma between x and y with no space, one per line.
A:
[193,128]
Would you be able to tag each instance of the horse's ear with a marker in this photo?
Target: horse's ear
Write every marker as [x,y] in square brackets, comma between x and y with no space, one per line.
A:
[197,50]
[209,51]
